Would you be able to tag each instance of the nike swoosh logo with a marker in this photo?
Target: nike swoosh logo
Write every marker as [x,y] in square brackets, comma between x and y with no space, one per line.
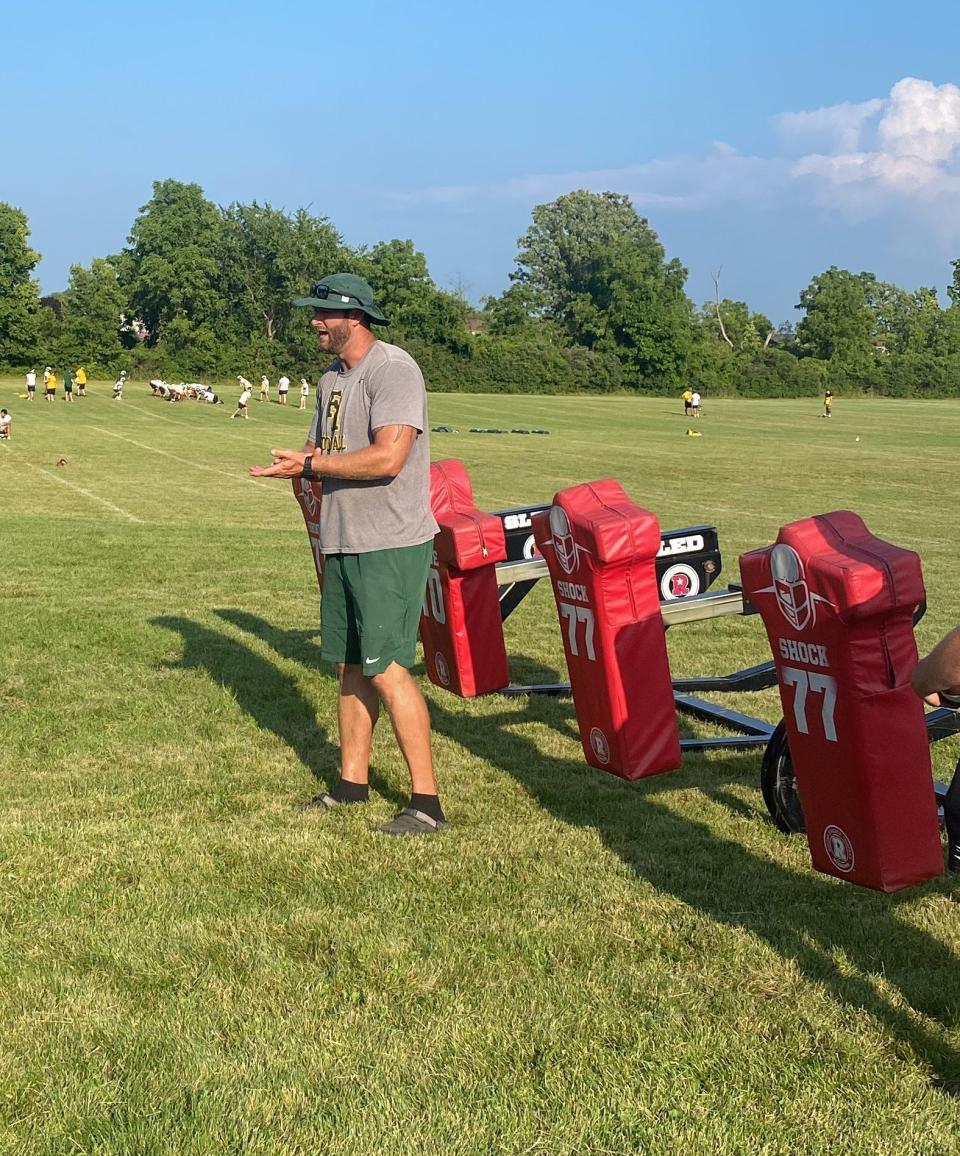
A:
[370,661]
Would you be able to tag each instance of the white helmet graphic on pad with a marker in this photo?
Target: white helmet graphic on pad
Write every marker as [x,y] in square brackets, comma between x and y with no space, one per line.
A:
[793,594]
[563,543]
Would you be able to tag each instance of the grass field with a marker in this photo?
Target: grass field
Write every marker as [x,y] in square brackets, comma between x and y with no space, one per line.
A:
[190,965]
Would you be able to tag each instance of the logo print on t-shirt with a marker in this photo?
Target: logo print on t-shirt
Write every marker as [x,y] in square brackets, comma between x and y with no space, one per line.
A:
[332,441]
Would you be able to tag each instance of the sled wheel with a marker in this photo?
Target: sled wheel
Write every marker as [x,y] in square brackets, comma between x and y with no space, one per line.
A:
[778,783]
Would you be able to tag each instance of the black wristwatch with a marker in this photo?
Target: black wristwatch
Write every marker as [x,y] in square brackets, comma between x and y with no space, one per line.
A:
[308,469]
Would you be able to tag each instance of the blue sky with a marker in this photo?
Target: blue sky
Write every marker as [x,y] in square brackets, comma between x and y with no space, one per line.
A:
[767,140]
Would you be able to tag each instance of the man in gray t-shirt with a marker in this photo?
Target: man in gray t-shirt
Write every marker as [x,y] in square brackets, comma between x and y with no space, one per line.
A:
[385,388]
[368,443]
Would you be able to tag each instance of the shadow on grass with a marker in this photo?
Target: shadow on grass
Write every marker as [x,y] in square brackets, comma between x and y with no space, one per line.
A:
[297,645]
[268,695]
[840,937]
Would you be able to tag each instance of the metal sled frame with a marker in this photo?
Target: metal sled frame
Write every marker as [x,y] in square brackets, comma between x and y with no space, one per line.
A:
[517,579]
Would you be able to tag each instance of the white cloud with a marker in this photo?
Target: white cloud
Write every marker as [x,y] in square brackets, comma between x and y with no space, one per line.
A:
[860,157]
[836,128]
[676,182]
[915,148]
[921,120]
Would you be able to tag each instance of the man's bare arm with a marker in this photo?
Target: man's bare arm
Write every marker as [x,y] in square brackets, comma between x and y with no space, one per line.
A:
[385,458]
[940,670]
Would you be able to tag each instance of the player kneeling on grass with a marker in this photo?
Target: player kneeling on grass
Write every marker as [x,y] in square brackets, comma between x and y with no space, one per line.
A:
[5,424]
[369,445]
[937,680]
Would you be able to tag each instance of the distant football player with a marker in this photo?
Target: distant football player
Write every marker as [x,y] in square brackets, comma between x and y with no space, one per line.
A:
[243,400]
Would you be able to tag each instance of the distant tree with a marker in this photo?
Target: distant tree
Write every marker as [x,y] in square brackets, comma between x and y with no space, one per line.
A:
[511,312]
[406,291]
[643,313]
[270,257]
[909,322]
[953,289]
[840,322]
[171,269]
[591,263]
[19,293]
[733,323]
[92,309]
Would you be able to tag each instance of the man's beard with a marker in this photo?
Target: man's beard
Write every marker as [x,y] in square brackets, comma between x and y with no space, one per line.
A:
[338,334]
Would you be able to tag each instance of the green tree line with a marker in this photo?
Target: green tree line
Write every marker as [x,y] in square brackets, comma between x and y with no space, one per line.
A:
[594,304]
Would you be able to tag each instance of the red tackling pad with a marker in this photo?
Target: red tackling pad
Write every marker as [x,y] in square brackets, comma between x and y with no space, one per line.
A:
[600,549]
[310,495]
[838,606]
[460,627]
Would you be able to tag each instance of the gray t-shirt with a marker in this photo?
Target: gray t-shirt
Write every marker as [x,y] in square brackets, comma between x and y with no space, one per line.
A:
[385,388]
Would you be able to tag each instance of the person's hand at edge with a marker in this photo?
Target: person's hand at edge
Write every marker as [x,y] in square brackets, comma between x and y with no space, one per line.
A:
[286,464]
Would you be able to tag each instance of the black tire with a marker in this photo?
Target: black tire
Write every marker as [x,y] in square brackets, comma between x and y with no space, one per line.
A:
[778,783]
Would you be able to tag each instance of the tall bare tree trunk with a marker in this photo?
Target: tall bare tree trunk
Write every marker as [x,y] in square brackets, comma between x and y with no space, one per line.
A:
[716,297]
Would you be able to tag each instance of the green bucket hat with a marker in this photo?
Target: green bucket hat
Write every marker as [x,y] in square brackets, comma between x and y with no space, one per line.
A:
[343,291]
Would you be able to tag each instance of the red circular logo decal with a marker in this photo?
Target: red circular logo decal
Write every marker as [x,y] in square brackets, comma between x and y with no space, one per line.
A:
[838,847]
[599,745]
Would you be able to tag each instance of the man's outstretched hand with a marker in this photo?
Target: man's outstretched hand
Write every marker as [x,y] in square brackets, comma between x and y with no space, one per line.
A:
[286,464]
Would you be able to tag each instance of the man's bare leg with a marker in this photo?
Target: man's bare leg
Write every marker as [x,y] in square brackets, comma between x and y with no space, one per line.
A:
[358,708]
[411,724]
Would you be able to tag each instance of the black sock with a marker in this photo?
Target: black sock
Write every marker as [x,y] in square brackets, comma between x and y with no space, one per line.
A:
[951,820]
[429,804]
[347,792]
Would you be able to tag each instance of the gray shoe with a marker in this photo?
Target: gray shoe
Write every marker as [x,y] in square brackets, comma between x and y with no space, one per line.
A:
[321,802]
[410,821]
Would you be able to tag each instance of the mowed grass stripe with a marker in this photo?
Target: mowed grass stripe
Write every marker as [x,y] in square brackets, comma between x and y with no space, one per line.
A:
[86,493]
[182,460]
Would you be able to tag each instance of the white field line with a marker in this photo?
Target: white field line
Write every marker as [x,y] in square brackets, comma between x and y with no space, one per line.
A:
[184,461]
[162,416]
[237,434]
[86,493]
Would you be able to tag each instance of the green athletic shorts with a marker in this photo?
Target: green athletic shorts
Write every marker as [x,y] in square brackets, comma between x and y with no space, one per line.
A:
[371,603]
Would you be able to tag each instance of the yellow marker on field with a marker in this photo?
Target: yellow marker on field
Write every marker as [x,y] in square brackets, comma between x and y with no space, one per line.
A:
[694,433]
